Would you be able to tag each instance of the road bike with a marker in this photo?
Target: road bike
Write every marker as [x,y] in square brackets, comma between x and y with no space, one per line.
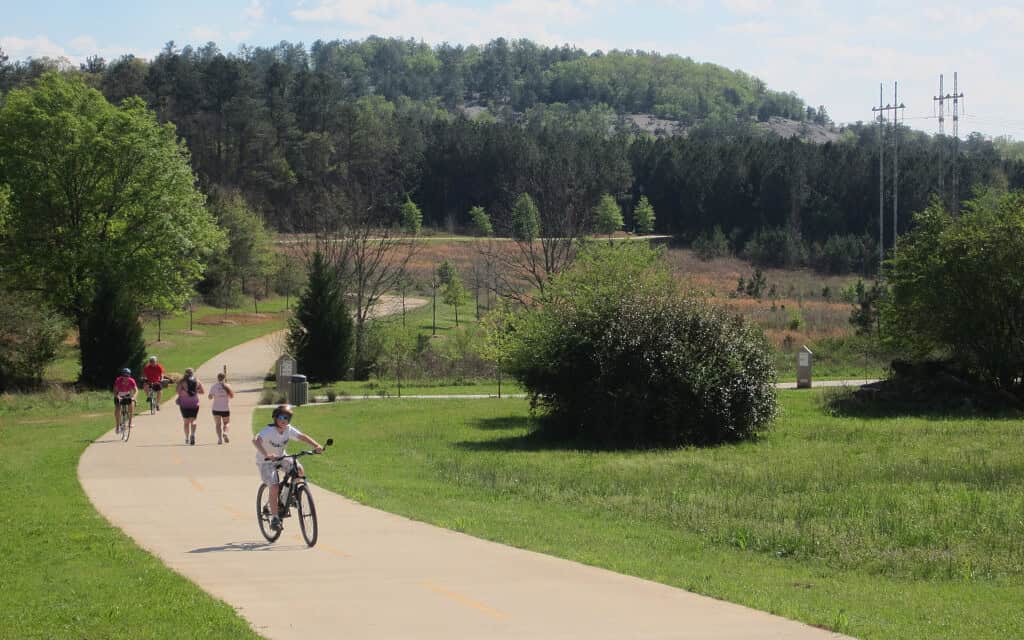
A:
[152,391]
[295,494]
[124,418]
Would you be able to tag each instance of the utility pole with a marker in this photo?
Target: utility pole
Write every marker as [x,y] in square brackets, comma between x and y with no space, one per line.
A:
[895,163]
[895,108]
[881,181]
[941,99]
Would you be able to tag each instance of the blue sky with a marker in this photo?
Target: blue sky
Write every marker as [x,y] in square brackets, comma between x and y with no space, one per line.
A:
[829,53]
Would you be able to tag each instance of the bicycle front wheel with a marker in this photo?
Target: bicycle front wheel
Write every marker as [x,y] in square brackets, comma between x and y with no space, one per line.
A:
[152,404]
[126,430]
[263,514]
[307,514]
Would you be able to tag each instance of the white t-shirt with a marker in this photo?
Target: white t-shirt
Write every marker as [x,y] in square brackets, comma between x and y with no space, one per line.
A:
[220,397]
[274,442]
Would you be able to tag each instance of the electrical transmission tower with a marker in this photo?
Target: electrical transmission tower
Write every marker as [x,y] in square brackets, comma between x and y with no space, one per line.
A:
[895,107]
[956,96]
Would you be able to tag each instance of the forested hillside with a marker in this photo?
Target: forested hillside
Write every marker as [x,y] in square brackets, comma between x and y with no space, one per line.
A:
[372,123]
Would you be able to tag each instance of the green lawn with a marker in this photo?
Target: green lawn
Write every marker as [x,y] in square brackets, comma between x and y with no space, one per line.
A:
[68,573]
[212,331]
[879,528]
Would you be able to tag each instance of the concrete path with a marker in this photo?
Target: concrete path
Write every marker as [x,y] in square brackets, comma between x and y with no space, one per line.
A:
[372,575]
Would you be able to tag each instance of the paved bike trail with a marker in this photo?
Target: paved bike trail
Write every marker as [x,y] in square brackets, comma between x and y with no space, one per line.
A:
[372,575]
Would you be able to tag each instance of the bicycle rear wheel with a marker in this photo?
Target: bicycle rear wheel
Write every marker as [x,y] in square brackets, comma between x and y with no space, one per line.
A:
[307,514]
[263,513]
[152,403]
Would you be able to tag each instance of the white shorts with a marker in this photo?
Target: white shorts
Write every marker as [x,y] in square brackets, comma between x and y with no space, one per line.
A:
[268,471]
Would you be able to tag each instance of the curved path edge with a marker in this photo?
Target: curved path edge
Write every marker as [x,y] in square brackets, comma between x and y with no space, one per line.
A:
[373,574]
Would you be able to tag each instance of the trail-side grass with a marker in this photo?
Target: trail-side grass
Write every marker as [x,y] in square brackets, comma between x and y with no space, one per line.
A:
[887,528]
[67,572]
[188,342]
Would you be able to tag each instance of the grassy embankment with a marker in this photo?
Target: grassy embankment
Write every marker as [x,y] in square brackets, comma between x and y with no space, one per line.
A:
[899,527]
[68,573]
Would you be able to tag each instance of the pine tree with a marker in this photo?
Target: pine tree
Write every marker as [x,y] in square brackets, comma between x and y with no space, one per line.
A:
[320,332]
[643,216]
[481,221]
[607,216]
[412,217]
[525,219]
[110,336]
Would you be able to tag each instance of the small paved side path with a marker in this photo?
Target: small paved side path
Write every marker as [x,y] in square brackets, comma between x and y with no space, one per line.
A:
[373,575]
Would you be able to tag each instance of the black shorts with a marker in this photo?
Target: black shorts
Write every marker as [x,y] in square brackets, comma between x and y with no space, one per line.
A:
[189,413]
[222,414]
[124,401]
[155,386]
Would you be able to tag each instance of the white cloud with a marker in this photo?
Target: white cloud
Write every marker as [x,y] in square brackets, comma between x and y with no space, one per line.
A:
[256,10]
[75,51]
[539,20]
[753,28]
[37,47]
[749,7]
[204,34]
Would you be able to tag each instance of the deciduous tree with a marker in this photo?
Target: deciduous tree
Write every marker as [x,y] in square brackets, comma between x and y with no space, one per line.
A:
[98,193]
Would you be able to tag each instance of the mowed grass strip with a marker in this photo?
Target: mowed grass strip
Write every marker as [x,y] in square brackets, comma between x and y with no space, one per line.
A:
[67,572]
[179,347]
[878,528]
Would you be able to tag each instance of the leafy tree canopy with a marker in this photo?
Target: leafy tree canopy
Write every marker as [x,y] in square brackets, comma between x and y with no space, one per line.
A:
[607,215]
[98,192]
[957,287]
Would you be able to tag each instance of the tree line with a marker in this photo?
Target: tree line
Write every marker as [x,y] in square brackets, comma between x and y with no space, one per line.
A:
[379,122]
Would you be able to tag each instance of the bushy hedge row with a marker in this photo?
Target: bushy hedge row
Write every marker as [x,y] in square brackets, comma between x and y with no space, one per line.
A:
[616,355]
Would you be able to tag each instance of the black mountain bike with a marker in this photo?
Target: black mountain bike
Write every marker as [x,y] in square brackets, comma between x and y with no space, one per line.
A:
[294,493]
[124,420]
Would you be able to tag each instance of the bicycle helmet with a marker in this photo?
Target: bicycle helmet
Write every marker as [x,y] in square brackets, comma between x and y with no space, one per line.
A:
[126,372]
[152,358]
[282,409]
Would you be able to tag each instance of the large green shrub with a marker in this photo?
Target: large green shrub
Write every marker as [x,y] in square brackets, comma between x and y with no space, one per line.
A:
[956,287]
[320,332]
[616,355]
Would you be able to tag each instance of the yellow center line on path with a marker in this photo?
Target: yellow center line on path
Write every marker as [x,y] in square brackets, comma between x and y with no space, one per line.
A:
[331,550]
[463,600]
[176,460]
[234,512]
[195,483]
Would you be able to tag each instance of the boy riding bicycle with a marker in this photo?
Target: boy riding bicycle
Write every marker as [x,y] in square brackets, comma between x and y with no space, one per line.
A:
[270,443]
[124,394]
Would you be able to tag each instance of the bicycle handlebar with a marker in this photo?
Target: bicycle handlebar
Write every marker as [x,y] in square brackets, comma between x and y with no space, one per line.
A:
[308,452]
[292,455]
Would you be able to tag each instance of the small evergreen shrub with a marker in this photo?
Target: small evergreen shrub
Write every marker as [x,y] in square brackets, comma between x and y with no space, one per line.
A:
[711,244]
[776,247]
[29,339]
